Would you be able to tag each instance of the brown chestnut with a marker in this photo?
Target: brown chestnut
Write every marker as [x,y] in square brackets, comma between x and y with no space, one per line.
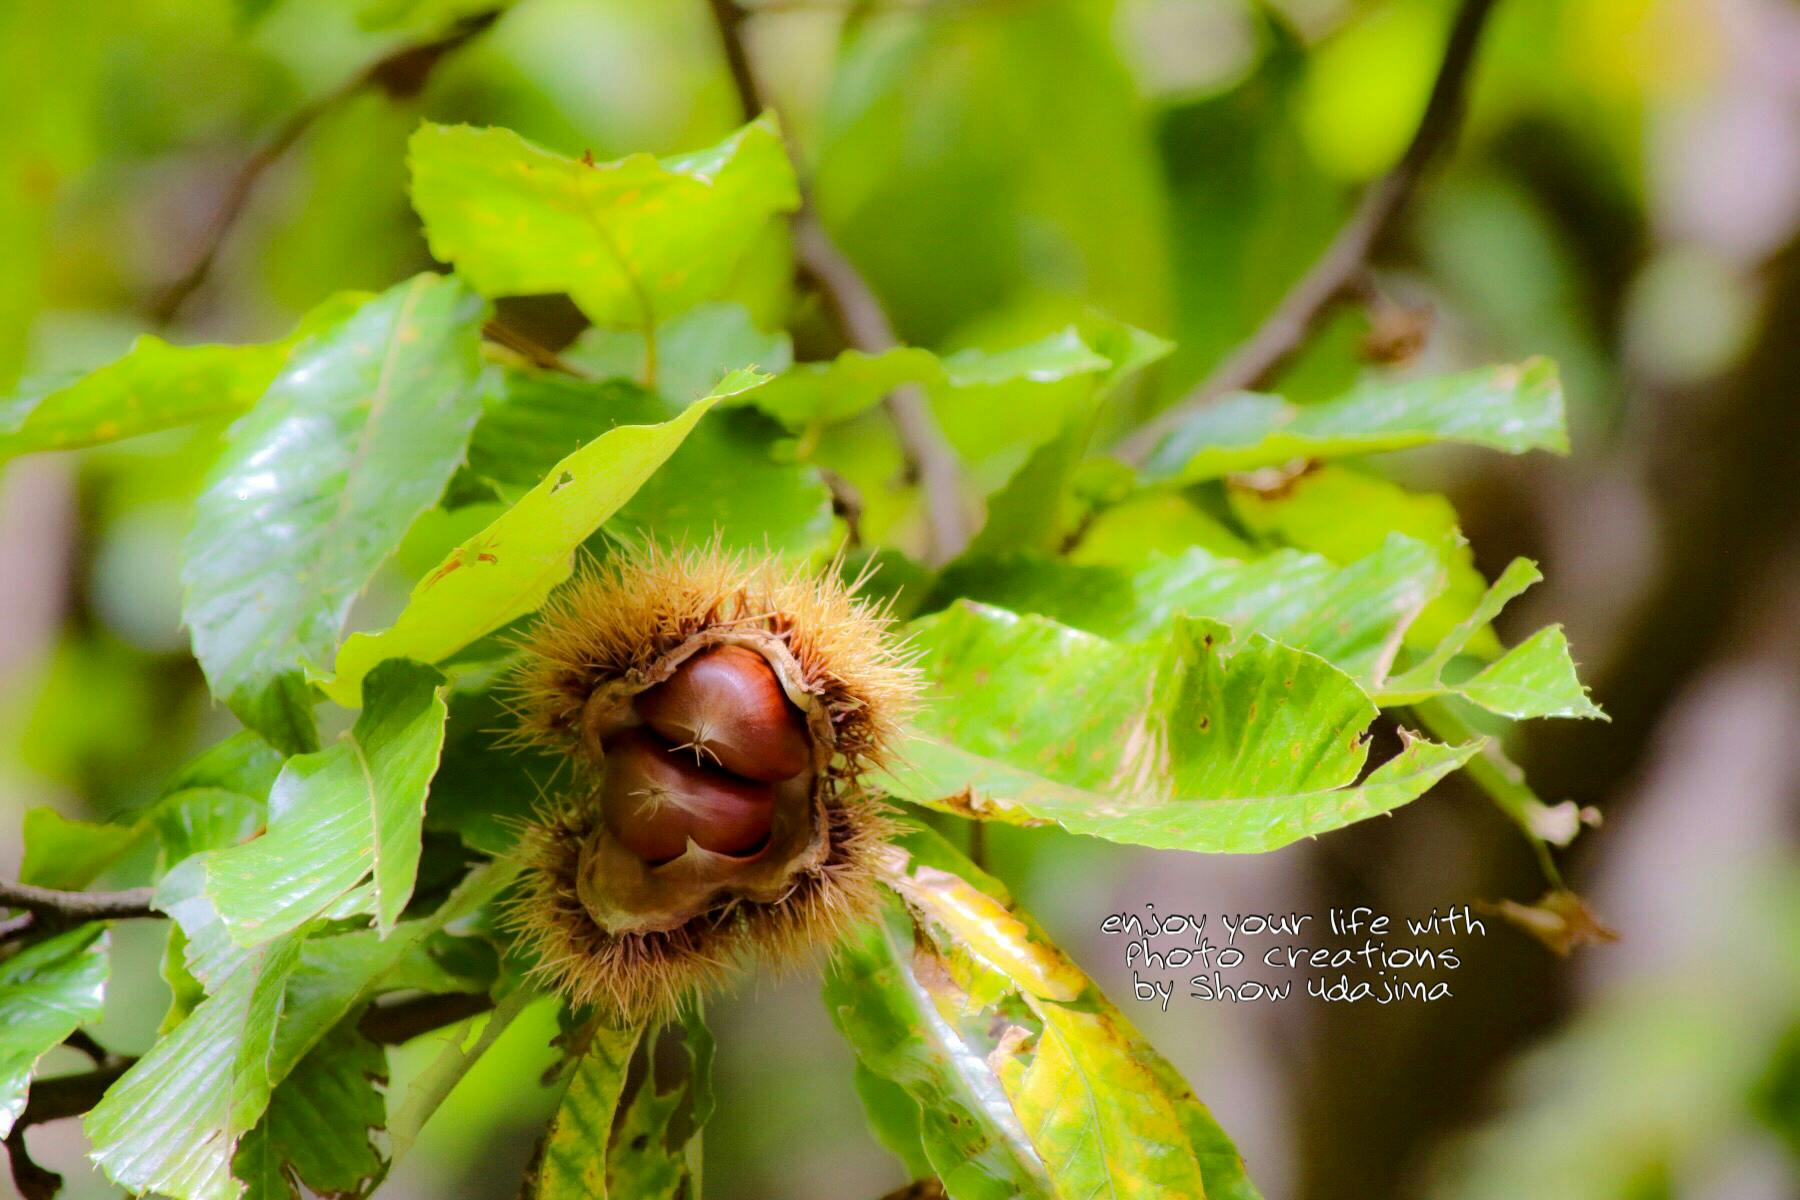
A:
[656,798]
[726,707]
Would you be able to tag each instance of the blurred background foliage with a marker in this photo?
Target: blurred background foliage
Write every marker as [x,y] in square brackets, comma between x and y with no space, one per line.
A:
[1624,198]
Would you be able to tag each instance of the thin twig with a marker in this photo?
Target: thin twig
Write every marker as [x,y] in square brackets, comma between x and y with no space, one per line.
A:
[978,843]
[80,906]
[84,1042]
[846,504]
[533,352]
[1326,283]
[918,1189]
[400,73]
[865,325]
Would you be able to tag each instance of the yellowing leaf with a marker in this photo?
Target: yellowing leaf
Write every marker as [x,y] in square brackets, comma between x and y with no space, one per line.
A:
[573,1166]
[1019,1093]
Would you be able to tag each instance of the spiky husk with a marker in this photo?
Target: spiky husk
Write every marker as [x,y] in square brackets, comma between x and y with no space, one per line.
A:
[645,976]
[619,620]
[617,629]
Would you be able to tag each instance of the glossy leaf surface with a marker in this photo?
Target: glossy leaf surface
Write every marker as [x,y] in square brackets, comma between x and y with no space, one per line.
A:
[354,439]
[350,812]
[47,991]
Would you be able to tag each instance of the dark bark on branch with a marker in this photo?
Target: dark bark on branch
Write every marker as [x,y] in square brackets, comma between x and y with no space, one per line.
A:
[33,1181]
[77,906]
[865,325]
[1334,275]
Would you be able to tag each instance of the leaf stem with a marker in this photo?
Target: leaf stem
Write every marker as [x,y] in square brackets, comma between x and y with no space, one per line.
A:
[1334,275]
[1499,777]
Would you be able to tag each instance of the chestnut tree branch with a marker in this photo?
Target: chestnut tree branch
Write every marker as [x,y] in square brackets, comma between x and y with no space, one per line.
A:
[1334,275]
[78,906]
[865,325]
[400,73]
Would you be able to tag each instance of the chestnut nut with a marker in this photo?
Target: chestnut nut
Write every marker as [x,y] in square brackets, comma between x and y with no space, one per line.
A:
[727,707]
[656,798]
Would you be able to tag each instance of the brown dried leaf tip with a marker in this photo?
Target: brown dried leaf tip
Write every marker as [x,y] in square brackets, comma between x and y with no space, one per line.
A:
[720,712]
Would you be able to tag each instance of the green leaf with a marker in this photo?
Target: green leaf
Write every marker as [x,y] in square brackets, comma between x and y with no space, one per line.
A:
[647,1159]
[640,1163]
[213,801]
[194,820]
[508,569]
[243,763]
[172,1122]
[1534,679]
[1187,741]
[573,1166]
[1125,533]
[1514,408]
[351,811]
[693,352]
[1033,510]
[64,853]
[727,478]
[894,1117]
[354,439]
[485,786]
[152,386]
[634,241]
[47,991]
[316,1129]
[1346,514]
[1353,616]
[824,393]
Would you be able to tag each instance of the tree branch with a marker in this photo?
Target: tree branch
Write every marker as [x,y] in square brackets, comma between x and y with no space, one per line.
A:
[33,1181]
[865,325]
[77,906]
[1336,271]
[400,73]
